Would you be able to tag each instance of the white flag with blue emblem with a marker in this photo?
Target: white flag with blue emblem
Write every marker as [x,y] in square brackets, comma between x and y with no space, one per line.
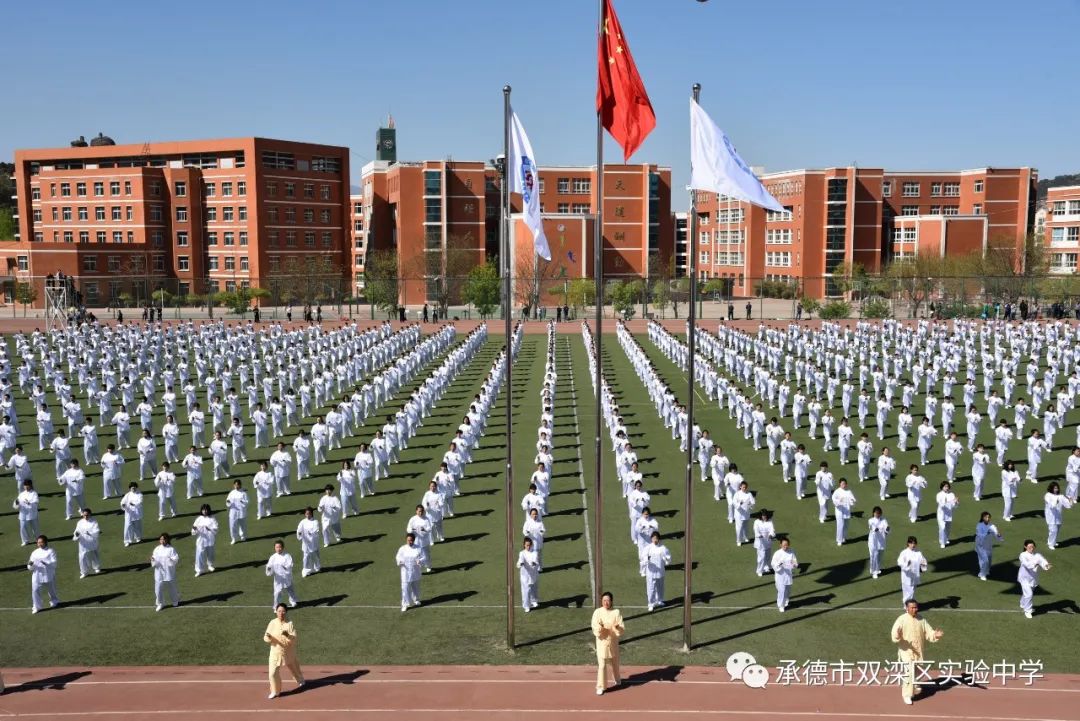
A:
[525,179]
[715,166]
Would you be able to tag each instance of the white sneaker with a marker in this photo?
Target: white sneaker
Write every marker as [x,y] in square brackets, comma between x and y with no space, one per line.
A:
[198,573]
[599,692]
[982,578]
[158,607]
[527,610]
[82,575]
[272,695]
[210,569]
[34,610]
[907,700]
[1027,614]
[534,604]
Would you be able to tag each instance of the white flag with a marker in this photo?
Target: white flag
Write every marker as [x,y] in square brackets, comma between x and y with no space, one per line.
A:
[524,179]
[715,166]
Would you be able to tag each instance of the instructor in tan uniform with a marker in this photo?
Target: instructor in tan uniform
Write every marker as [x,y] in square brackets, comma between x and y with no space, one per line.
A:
[281,635]
[910,632]
[607,627]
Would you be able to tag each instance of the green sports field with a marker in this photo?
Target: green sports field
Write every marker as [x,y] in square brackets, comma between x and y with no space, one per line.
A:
[350,612]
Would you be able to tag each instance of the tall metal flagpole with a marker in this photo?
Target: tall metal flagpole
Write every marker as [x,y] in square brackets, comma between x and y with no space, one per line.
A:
[598,343]
[688,537]
[508,306]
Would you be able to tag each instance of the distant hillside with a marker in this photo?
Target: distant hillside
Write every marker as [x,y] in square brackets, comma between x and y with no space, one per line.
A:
[1055,182]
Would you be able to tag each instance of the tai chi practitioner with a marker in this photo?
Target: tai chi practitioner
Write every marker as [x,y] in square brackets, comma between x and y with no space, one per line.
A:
[926,432]
[164,561]
[915,483]
[408,559]
[980,459]
[764,533]
[743,501]
[91,445]
[237,504]
[87,535]
[420,527]
[953,450]
[346,479]
[192,465]
[823,485]
[946,506]
[281,462]
[331,512]
[783,565]
[307,532]
[843,501]
[263,483]
[73,481]
[219,451]
[279,568]
[655,558]
[27,504]
[876,540]
[1035,446]
[111,470]
[147,450]
[434,506]
[732,480]
[281,635]
[302,451]
[165,482]
[205,530]
[912,563]
[42,566]
[1010,485]
[534,530]
[607,627]
[886,466]
[1028,575]
[911,632]
[1053,505]
[985,535]
[528,563]
[802,470]
[132,506]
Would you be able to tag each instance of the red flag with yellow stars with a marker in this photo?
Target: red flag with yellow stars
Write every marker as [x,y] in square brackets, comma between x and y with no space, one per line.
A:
[621,100]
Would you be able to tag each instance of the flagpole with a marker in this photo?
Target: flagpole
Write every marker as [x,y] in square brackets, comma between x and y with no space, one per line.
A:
[598,343]
[508,306]
[691,338]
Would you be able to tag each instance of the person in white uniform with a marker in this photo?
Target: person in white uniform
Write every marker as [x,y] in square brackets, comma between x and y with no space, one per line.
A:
[307,532]
[42,566]
[164,561]
[946,507]
[279,568]
[88,536]
[330,511]
[132,506]
[205,530]
[1053,505]
[237,504]
[408,560]
[843,501]
[1028,575]
[912,563]
[878,536]
[655,558]
[528,563]
[783,565]
[27,504]
[764,533]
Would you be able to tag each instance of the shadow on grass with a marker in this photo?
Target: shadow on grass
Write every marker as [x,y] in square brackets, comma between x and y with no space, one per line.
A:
[448,597]
[346,567]
[463,566]
[324,601]
[213,598]
[99,599]
[466,537]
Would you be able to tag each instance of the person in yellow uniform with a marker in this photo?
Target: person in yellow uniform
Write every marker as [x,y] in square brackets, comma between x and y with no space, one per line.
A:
[281,635]
[607,626]
[911,631]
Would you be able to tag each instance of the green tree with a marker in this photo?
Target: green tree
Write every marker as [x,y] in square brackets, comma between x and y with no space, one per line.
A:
[8,226]
[25,293]
[381,283]
[482,288]
[661,295]
[625,295]
[581,293]
[680,293]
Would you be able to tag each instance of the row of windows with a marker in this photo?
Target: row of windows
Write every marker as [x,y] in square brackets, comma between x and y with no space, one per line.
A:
[913,189]
[274,239]
[777,235]
[1062,207]
[910,210]
[1065,235]
[80,189]
[308,190]
[576,186]
[723,258]
[274,214]
[214,262]
[776,216]
[905,235]
[1064,261]
[210,189]
[778,259]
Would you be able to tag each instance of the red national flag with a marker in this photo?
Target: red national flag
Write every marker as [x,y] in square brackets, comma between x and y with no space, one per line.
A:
[621,100]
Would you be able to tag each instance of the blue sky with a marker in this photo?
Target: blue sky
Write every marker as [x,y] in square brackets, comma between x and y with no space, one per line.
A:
[914,85]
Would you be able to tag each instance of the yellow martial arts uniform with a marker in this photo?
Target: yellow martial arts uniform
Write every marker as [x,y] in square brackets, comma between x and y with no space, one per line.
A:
[607,626]
[282,655]
[914,632]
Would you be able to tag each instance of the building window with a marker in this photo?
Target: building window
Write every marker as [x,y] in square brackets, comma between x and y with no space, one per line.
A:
[273,215]
[1074,207]
[117,213]
[1063,261]
[952,210]
[84,213]
[99,189]
[68,237]
[290,190]
[114,263]
[271,188]
[1057,235]
[117,236]
[55,213]
[776,235]
[182,239]
[131,236]
[704,257]
[582,186]
[99,212]
[210,190]
[158,238]
[309,190]
[909,210]
[127,187]
[101,236]
[159,263]
[290,215]
[230,238]
[290,239]
[241,187]
[358,208]
[52,190]
[181,215]
[180,189]
[155,188]
[563,186]
[275,264]
[273,238]
[581,208]
[309,215]
[978,186]
[324,217]
[935,190]
[935,210]
[243,237]
[37,215]
[80,190]
[230,262]
[309,239]
[213,262]
[1072,235]
[211,238]
[35,193]
[780,259]
[24,262]
[114,187]
[328,239]
[977,209]
[244,263]
[242,211]
[911,190]
[227,214]
[65,190]
[211,214]
[84,236]
[735,215]
[67,214]
[183,263]
[952,190]
[129,212]
[226,190]
[324,192]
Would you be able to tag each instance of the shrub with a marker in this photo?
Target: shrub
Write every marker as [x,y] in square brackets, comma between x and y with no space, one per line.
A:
[876,308]
[835,310]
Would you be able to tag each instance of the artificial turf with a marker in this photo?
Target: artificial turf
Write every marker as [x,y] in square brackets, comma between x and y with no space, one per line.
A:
[350,614]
